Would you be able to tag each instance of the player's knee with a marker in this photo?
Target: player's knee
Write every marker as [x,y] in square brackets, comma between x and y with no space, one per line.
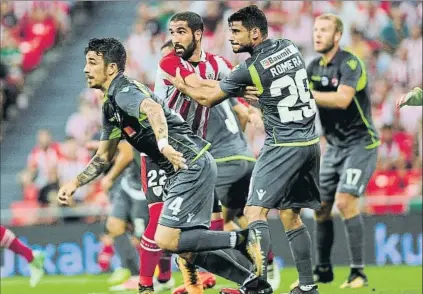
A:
[255,213]
[324,213]
[115,226]
[347,205]
[291,219]
[167,238]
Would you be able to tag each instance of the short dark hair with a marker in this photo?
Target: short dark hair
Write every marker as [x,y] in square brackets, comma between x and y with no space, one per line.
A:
[251,17]
[195,22]
[112,50]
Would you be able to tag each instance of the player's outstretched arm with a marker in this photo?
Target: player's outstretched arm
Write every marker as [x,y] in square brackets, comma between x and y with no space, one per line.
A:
[157,120]
[412,98]
[208,93]
[95,167]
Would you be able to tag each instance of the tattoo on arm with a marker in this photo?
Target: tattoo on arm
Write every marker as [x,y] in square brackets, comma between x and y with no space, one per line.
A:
[156,118]
[96,166]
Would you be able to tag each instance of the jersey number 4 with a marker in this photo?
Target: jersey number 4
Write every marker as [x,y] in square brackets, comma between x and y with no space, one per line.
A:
[298,88]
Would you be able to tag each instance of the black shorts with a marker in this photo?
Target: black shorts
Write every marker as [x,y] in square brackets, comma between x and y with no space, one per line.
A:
[346,170]
[286,178]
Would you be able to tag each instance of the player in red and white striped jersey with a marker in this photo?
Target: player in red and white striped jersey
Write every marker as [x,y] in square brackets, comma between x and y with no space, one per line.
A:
[186,31]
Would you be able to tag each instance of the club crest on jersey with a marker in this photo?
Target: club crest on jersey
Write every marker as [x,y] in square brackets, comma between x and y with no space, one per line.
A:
[125,89]
[278,56]
[352,63]
[335,82]
[129,131]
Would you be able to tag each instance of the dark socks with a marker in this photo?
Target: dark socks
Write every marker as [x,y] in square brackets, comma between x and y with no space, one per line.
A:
[324,236]
[127,253]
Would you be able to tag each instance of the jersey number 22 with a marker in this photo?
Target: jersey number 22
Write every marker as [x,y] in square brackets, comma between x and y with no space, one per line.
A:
[298,88]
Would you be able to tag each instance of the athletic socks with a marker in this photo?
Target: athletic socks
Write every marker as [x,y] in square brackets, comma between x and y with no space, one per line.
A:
[105,257]
[127,253]
[165,271]
[300,244]
[227,263]
[354,230]
[9,240]
[263,228]
[217,224]
[197,240]
[149,252]
[324,236]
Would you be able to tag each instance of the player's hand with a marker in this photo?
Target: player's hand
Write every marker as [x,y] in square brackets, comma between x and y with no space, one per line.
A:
[65,194]
[106,183]
[174,157]
[177,80]
[251,93]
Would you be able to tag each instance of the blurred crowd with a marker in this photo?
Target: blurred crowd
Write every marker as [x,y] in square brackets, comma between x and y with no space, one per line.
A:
[387,36]
[29,29]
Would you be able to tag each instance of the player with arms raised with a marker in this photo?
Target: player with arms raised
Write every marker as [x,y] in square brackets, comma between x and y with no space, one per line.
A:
[285,176]
[133,111]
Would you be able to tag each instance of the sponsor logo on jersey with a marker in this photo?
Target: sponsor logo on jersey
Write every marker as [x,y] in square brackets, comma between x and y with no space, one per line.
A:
[352,63]
[335,82]
[325,81]
[125,89]
[278,56]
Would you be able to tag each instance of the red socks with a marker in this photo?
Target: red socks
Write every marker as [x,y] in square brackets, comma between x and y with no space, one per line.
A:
[149,252]
[217,225]
[105,257]
[9,240]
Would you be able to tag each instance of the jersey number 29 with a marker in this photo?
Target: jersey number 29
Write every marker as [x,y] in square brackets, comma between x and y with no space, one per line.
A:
[298,88]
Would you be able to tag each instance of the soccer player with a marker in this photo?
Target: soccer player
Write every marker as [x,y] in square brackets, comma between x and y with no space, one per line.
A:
[35,258]
[340,88]
[285,176]
[412,98]
[133,111]
[235,163]
[186,30]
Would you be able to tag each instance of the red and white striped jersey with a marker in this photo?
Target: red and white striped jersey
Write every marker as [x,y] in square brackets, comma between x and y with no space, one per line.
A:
[211,66]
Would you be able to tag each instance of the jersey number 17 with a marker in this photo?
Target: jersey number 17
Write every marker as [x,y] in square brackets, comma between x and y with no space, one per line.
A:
[298,88]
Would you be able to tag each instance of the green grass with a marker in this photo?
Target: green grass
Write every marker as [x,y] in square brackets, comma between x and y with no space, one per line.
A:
[386,280]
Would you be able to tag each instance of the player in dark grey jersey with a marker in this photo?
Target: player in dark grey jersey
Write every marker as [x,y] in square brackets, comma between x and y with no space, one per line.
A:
[340,87]
[132,110]
[286,175]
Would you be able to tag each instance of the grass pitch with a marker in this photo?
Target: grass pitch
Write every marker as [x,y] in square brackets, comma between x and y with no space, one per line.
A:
[383,280]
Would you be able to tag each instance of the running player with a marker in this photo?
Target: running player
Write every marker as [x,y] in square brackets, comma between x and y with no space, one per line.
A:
[340,88]
[285,176]
[133,111]
[34,258]
[412,98]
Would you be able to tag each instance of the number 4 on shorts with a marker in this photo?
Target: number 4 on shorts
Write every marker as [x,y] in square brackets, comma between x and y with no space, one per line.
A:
[175,205]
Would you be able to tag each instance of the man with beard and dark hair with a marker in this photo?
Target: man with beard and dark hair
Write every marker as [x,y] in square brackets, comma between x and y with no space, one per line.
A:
[132,111]
[340,87]
[285,176]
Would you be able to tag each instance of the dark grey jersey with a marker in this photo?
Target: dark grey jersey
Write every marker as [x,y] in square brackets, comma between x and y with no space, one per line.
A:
[277,69]
[224,132]
[344,127]
[122,116]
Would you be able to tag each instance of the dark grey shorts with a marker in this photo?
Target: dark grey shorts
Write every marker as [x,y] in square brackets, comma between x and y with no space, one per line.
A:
[346,170]
[189,195]
[130,206]
[286,177]
[233,180]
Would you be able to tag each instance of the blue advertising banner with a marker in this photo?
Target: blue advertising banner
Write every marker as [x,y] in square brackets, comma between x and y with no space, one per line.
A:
[72,249]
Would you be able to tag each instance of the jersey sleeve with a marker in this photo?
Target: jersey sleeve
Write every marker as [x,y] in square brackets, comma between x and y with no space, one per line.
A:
[350,72]
[171,62]
[234,84]
[109,131]
[129,99]
[225,67]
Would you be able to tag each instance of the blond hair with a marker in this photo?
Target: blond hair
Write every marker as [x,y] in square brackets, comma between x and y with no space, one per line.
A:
[339,26]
